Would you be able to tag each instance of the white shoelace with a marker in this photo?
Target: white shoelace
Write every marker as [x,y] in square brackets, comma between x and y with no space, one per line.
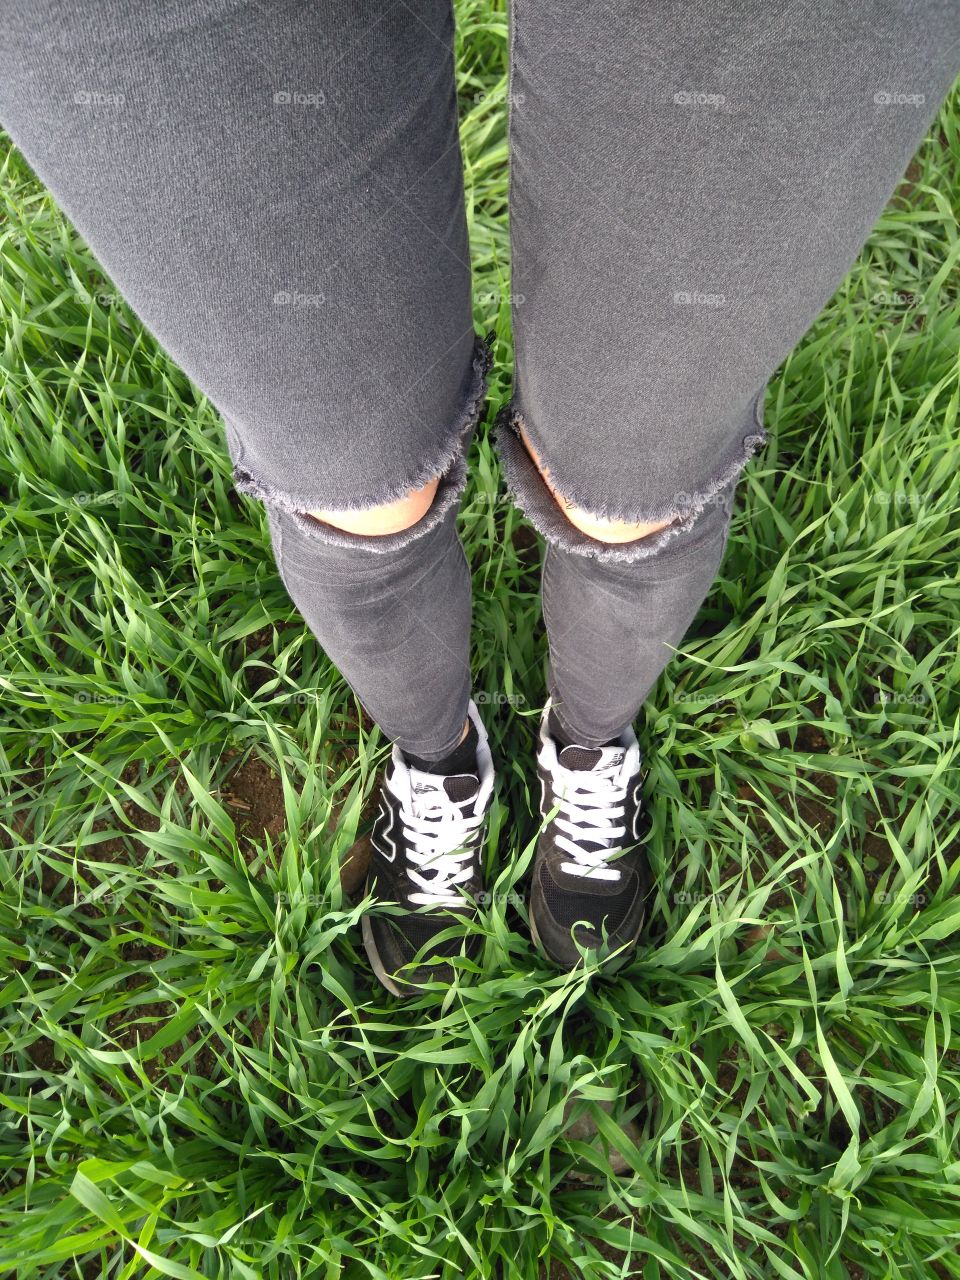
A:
[592,802]
[438,841]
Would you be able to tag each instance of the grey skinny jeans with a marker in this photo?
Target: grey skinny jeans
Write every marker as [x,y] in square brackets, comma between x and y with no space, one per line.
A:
[277,191]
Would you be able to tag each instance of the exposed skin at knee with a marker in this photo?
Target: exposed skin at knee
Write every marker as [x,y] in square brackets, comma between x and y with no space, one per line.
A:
[389,517]
[594,526]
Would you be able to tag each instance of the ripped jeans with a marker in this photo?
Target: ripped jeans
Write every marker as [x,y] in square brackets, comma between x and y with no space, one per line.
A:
[278,193]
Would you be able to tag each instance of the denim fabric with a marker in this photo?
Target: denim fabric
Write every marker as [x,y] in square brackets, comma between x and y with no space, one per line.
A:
[277,191]
[689,184]
[613,625]
[395,621]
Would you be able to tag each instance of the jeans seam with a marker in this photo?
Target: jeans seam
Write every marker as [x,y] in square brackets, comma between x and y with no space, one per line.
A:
[512,23]
[545,579]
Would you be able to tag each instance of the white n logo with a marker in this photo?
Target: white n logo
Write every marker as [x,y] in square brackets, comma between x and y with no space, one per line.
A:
[637,807]
[384,822]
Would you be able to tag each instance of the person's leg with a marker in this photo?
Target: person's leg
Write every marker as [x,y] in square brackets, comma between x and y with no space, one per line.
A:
[277,192]
[613,625]
[688,186]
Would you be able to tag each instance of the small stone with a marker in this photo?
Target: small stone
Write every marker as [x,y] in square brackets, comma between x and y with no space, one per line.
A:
[584,1129]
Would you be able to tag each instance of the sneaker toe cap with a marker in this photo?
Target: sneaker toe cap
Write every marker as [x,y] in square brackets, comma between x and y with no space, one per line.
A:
[399,941]
[567,916]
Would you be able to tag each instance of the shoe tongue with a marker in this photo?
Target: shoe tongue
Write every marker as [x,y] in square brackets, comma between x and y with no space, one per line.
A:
[459,787]
[577,757]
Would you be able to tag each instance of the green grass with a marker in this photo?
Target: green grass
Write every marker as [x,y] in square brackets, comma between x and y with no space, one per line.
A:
[202,1078]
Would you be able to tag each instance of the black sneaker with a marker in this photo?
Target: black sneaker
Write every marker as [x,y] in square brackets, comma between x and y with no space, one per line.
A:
[590,875]
[425,854]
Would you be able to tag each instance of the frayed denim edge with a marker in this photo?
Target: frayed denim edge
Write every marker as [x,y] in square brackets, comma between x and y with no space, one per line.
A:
[451,466]
[530,493]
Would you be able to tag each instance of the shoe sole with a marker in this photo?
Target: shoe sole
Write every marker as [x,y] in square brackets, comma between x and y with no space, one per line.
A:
[376,963]
[536,938]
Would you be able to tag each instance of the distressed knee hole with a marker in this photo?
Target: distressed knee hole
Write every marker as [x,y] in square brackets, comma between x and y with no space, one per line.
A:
[617,538]
[612,531]
[385,518]
[599,527]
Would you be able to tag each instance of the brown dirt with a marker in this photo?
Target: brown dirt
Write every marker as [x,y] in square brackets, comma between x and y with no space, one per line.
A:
[254,795]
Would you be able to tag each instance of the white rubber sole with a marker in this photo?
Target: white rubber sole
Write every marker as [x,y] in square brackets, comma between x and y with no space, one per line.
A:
[377,965]
[536,938]
[373,955]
